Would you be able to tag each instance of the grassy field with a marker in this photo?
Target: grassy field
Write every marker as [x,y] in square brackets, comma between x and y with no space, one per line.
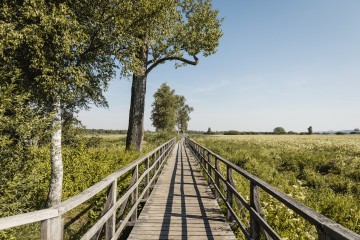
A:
[321,171]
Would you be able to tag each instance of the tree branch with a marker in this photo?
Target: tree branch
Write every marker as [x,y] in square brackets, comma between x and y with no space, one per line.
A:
[171,59]
[150,62]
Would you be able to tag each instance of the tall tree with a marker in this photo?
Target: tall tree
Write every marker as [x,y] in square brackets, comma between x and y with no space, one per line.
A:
[183,114]
[177,30]
[62,54]
[169,110]
[310,130]
[164,111]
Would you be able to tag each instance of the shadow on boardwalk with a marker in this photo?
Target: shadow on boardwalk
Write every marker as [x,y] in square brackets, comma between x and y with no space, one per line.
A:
[181,205]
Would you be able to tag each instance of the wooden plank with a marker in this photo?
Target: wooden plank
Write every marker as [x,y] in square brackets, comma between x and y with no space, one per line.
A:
[135,193]
[181,205]
[52,229]
[178,237]
[111,223]
[27,218]
[126,219]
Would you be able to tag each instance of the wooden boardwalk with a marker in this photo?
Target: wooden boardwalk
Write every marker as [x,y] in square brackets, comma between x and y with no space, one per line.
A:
[181,206]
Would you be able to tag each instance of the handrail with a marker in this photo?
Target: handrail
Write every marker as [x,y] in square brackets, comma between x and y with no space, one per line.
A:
[327,229]
[52,226]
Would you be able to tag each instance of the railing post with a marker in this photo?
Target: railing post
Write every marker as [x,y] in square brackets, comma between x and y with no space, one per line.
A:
[209,163]
[134,194]
[202,157]
[156,155]
[217,182]
[229,193]
[322,235]
[154,169]
[111,223]
[255,204]
[52,229]
[201,154]
[159,157]
[147,178]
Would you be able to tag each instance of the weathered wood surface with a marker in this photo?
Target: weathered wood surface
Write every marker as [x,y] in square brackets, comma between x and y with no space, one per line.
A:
[181,206]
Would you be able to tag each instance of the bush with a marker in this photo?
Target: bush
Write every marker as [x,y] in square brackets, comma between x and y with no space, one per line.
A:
[340,133]
[279,130]
[232,132]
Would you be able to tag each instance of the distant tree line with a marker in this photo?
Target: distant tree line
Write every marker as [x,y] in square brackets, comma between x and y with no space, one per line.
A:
[276,131]
[230,132]
[104,131]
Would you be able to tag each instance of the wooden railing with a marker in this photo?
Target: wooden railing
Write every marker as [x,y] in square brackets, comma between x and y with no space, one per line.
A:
[52,224]
[210,163]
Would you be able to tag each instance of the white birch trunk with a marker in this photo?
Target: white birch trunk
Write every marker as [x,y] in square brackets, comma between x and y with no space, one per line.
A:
[56,182]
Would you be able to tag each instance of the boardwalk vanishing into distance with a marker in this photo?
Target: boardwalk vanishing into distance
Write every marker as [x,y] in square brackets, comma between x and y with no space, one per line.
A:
[181,205]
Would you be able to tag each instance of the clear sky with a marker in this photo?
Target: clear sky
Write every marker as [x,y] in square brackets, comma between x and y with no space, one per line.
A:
[280,63]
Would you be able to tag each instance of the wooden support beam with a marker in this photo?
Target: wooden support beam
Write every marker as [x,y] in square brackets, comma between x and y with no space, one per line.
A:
[229,194]
[135,194]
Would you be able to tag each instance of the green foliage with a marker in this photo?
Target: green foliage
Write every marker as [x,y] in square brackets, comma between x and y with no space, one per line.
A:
[279,130]
[22,128]
[159,137]
[49,49]
[169,30]
[61,55]
[163,114]
[21,123]
[321,171]
[310,130]
[182,115]
[169,110]
[24,179]
[340,133]
[104,131]
[232,132]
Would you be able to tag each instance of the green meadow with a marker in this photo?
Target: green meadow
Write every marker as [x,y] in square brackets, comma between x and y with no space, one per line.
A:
[321,171]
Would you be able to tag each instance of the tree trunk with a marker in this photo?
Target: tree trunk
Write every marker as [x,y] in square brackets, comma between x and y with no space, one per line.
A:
[135,134]
[57,172]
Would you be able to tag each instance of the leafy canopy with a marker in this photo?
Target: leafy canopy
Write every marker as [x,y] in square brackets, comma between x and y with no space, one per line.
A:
[169,30]
[163,115]
[59,49]
[279,130]
[183,111]
[169,110]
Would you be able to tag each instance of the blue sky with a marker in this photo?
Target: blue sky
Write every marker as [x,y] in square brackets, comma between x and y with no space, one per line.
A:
[280,63]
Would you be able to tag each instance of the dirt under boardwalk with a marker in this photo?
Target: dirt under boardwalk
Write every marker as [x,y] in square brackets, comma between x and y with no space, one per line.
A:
[181,206]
